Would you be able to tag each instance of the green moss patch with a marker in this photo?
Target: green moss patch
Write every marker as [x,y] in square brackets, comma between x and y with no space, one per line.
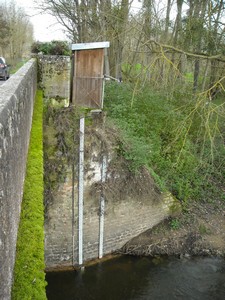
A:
[29,276]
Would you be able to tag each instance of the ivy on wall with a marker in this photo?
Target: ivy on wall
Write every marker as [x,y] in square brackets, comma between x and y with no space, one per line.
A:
[29,276]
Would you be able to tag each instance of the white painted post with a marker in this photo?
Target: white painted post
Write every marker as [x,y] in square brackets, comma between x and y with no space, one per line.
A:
[73,217]
[102,208]
[81,192]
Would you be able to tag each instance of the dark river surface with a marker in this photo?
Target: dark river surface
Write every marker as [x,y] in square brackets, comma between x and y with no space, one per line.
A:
[126,278]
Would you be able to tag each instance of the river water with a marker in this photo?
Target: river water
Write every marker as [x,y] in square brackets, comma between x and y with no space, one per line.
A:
[132,278]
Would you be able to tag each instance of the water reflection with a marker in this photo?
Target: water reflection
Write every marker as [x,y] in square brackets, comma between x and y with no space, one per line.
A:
[130,278]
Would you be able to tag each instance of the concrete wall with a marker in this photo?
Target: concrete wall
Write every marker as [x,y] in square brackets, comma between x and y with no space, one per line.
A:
[133,204]
[16,108]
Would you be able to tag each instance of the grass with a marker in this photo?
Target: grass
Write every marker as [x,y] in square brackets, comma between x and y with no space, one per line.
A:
[29,276]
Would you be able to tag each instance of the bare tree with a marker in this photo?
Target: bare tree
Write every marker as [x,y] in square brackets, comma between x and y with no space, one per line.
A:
[18,32]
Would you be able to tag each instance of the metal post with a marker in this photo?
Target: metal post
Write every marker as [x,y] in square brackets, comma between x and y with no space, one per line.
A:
[73,217]
[81,192]
[102,208]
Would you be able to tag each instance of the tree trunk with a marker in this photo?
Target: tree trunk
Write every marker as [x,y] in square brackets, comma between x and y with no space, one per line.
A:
[167,20]
[178,22]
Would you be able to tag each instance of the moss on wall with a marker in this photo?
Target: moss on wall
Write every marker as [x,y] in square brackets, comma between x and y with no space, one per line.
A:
[29,276]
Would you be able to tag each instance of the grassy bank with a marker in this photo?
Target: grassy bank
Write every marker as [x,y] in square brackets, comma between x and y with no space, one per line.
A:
[29,276]
[179,138]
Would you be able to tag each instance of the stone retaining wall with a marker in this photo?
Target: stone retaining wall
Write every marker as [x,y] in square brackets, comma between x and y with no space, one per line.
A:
[16,109]
[54,75]
[124,220]
[133,204]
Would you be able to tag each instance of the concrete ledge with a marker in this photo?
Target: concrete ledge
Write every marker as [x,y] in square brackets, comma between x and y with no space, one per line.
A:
[16,109]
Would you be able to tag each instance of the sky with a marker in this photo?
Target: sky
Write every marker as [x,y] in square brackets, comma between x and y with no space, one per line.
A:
[46,27]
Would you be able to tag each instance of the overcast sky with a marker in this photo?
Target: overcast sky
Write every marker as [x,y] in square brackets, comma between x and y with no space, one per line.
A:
[46,27]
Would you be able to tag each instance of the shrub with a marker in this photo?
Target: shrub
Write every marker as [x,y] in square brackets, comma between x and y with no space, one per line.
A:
[51,48]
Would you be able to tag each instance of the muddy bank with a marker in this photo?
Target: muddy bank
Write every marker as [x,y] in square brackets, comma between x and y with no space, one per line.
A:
[199,230]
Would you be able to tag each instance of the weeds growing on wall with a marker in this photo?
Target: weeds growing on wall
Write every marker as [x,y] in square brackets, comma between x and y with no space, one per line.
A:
[179,138]
[29,276]
[61,137]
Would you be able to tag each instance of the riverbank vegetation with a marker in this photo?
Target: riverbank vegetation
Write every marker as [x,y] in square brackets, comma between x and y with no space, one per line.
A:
[178,136]
[29,276]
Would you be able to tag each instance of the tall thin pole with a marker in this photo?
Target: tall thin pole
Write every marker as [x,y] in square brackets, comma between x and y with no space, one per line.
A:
[73,217]
[81,192]
[102,208]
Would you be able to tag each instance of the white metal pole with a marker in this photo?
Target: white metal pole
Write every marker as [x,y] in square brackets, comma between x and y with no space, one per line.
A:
[73,216]
[102,208]
[81,192]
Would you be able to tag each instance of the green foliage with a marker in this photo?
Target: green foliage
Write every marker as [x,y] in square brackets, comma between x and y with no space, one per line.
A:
[133,71]
[189,77]
[29,276]
[175,224]
[51,48]
[180,139]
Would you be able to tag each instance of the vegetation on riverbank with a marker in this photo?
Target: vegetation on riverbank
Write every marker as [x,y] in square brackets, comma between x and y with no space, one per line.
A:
[178,136]
[29,276]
